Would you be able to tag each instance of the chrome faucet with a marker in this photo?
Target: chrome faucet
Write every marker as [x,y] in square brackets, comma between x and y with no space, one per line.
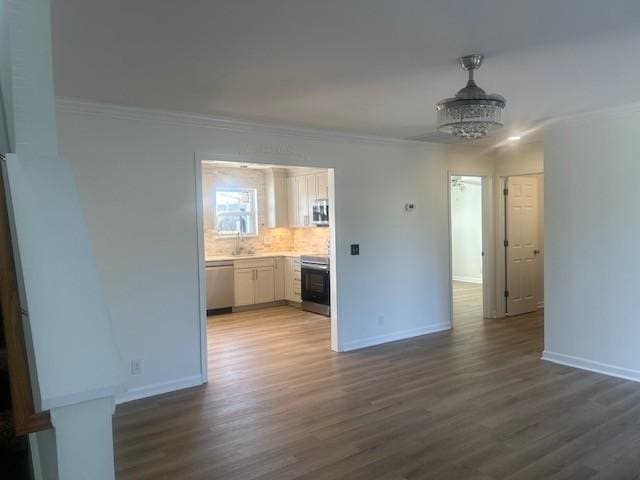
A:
[238,249]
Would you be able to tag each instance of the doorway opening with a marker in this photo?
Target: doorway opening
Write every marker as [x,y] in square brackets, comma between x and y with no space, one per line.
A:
[467,269]
[523,240]
[266,262]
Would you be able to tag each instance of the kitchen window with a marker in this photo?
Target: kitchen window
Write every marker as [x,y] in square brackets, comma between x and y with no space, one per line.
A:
[236,211]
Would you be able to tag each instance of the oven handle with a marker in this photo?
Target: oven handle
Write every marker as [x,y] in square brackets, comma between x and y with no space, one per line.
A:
[315,267]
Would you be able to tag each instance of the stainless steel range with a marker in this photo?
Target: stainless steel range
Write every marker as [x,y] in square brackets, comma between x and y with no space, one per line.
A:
[316,296]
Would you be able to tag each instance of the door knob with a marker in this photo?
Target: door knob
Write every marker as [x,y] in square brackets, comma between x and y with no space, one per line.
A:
[536,252]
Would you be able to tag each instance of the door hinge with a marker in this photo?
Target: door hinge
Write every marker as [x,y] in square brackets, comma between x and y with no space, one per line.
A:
[506,293]
[505,192]
[506,243]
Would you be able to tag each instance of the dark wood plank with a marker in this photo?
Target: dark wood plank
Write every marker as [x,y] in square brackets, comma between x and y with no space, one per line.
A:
[473,403]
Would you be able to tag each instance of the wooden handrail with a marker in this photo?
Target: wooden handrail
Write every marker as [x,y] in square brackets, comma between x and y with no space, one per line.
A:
[26,420]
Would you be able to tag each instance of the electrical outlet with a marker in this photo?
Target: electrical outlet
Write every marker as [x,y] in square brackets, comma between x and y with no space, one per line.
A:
[136,367]
[355,249]
[380,320]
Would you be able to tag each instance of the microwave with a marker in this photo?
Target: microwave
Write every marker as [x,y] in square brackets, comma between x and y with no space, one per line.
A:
[320,212]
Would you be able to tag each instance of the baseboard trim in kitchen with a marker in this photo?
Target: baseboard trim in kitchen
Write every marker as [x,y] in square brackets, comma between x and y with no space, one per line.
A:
[259,306]
[392,337]
[158,389]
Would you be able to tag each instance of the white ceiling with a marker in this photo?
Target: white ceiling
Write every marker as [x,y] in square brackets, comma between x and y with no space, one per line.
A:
[366,66]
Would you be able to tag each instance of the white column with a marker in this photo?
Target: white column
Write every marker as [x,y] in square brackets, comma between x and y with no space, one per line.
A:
[84,440]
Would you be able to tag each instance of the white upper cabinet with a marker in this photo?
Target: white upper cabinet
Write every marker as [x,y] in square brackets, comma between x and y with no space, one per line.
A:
[322,185]
[303,190]
[292,201]
[303,201]
[277,198]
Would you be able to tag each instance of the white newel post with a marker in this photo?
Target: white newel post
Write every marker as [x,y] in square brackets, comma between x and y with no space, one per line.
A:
[84,440]
[74,363]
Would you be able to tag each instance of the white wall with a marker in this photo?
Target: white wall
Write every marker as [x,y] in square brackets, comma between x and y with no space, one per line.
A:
[135,173]
[466,230]
[592,234]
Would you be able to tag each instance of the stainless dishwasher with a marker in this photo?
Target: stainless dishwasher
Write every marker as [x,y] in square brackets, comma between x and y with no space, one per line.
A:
[219,283]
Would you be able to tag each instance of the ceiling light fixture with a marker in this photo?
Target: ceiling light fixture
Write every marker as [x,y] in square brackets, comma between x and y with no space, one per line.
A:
[514,138]
[472,113]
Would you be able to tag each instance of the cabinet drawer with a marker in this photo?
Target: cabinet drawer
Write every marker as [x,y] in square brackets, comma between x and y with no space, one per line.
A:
[253,263]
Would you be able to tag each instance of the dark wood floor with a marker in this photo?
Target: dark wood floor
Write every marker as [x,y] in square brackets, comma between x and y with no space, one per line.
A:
[473,403]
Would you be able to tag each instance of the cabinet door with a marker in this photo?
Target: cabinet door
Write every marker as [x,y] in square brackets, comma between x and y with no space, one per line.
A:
[288,279]
[278,278]
[312,195]
[322,184]
[297,281]
[281,201]
[243,282]
[292,201]
[303,201]
[264,286]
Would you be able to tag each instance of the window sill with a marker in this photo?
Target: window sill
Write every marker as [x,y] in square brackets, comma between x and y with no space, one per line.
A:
[234,237]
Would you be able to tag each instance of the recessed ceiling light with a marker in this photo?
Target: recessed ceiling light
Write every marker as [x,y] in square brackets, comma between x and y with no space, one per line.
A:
[514,138]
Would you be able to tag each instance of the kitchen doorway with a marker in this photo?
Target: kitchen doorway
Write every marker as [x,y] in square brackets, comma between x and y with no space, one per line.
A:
[468,260]
[267,265]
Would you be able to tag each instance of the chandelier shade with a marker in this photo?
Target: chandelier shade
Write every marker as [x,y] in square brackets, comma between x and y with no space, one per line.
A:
[471,113]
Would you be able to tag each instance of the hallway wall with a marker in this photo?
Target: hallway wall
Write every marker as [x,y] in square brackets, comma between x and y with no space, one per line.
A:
[592,232]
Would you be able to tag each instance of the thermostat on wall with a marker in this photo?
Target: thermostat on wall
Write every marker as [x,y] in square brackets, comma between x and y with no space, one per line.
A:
[409,207]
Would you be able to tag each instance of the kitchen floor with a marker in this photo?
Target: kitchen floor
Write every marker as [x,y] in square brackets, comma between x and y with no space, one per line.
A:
[474,402]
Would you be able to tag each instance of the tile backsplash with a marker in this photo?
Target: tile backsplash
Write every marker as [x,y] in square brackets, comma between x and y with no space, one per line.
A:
[312,240]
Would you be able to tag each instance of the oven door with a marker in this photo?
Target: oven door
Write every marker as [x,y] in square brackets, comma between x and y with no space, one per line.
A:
[315,284]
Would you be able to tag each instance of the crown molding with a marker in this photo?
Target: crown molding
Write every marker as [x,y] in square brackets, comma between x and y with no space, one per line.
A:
[85,107]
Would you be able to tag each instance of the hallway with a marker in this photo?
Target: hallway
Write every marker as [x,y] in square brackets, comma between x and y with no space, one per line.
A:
[467,302]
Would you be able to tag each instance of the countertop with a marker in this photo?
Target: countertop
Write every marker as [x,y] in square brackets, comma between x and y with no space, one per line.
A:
[244,256]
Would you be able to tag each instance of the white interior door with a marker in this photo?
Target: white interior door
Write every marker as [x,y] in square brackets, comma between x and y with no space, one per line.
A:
[521,250]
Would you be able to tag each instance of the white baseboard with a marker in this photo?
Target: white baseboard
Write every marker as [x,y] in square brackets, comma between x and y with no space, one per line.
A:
[467,279]
[158,388]
[392,337]
[591,365]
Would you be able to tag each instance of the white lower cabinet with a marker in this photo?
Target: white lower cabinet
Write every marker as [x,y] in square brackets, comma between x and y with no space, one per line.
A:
[244,288]
[266,280]
[264,286]
[278,278]
[253,282]
[292,279]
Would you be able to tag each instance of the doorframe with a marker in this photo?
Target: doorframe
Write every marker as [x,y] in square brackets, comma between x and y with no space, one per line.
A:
[199,157]
[486,181]
[501,257]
